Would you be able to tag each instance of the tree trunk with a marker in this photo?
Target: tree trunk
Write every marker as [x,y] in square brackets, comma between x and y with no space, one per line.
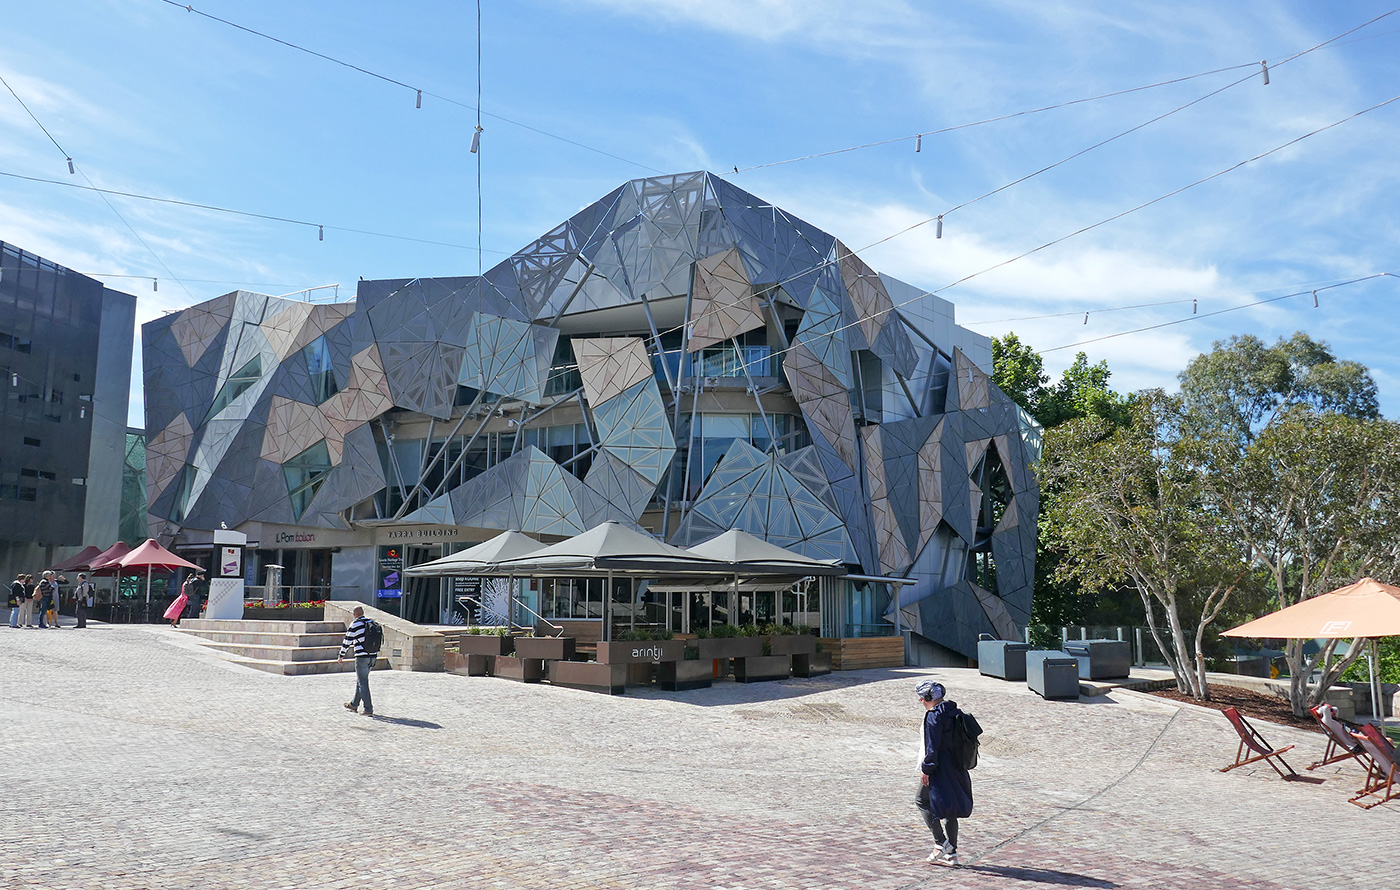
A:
[1195,684]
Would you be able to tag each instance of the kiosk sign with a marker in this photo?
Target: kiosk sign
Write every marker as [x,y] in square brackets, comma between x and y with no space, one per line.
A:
[390,573]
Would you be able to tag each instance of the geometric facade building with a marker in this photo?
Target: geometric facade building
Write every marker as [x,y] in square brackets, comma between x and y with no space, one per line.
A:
[680,356]
[65,367]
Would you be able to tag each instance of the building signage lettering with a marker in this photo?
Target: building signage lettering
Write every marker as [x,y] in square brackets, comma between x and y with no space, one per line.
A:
[421,533]
[652,652]
[295,538]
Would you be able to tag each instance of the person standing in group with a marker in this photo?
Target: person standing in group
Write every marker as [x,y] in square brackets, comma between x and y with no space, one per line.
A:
[355,642]
[945,787]
[82,599]
[17,600]
[46,590]
[31,602]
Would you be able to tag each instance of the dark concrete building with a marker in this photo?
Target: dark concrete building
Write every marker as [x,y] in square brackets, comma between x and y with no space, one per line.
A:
[65,366]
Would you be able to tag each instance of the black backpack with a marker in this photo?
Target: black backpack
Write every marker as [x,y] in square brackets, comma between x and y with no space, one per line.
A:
[966,733]
[374,636]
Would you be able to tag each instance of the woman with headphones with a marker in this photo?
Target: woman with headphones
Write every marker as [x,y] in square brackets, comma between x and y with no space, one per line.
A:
[945,788]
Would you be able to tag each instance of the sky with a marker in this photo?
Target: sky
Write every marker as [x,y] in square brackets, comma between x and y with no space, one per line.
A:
[1250,203]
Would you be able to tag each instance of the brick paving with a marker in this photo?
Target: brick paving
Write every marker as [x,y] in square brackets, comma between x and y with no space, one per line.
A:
[154,764]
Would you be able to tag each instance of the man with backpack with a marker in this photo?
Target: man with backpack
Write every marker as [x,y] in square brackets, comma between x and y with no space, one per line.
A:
[82,599]
[18,598]
[945,788]
[363,637]
[47,590]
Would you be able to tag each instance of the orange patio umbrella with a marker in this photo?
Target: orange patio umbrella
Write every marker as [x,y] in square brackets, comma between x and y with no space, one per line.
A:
[1365,610]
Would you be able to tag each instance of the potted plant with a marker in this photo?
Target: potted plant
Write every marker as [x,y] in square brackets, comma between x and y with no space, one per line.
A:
[545,648]
[728,641]
[790,640]
[486,641]
[640,647]
[513,667]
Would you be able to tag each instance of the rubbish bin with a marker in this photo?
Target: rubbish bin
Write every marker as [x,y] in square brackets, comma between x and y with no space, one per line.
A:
[1002,658]
[1101,659]
[1053,674]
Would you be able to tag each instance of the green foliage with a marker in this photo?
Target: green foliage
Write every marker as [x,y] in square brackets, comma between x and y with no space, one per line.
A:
[1241,386]
[1389,671]
[488,631]
[1043,637]
[784,630]
[1082,390]
[720,632]
[643,634]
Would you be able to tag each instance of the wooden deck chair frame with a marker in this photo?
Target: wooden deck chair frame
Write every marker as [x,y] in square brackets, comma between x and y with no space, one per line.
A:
[1383,778]
[1253,743]
[1340,744]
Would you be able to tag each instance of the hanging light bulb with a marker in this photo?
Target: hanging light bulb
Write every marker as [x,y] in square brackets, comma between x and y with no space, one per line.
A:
[155,285]
[476,139]
[420,99]
[1314,299]
[1086,318]
[320,233]
[919,142]
[938,230]
[1264,66]
[14,379]
[1193,307]
[70,167]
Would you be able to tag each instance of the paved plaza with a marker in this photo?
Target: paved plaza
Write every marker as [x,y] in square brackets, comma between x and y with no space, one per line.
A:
[135,759]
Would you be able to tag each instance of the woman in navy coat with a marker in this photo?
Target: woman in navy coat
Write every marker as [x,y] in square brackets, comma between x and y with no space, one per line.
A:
[945,788]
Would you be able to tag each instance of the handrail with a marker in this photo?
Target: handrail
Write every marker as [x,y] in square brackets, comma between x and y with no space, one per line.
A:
[463,597]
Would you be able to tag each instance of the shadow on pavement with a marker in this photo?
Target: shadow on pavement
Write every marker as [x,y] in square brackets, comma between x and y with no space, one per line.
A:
[1040,876]
[727,692]
[407,721]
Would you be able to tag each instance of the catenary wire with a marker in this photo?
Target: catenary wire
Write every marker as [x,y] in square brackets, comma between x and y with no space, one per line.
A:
[416,90]
[1058,105]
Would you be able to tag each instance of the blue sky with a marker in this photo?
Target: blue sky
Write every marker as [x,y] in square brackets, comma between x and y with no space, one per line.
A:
[152,99]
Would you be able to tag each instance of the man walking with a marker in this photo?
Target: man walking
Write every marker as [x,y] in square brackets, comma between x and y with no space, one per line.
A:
[356,641]
[82,599]
[945,788]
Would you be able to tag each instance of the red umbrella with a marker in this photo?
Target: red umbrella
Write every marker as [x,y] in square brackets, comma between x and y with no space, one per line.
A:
[79,560]
[151,556]
[105,563]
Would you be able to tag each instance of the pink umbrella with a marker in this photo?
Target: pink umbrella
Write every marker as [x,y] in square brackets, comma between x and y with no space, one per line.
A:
[151,556]
[78,560]
[105,563]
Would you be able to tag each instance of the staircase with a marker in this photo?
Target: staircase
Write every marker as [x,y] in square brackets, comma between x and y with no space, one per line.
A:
[278,647]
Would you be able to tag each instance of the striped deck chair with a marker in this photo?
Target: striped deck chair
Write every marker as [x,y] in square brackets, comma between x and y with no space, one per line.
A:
[1252,743]
[1383,779]
[1340,744]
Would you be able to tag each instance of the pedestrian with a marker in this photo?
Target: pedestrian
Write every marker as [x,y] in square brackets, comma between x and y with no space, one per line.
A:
[83,599]
[46,590]
[364,660]
[193,590]
[945,788]
[17,599]
[176,609]
[31,602]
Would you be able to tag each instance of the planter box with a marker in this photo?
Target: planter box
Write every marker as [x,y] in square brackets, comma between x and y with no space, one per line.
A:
[677,676]
[468,664]
[1002,658]
[792,644]
[1052,674]
[762,667]
[729,647]
[589,675]
[546,648]
[485,644]
[640,651]
[524,670]
[814,665]
[255,614]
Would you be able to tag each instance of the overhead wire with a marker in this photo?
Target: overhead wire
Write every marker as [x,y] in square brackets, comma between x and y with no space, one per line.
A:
[918,137]
[419,93]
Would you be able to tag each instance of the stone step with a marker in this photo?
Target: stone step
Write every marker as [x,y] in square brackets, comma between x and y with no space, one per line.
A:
[304,668]
[278,653]
[241,626]
[266,639]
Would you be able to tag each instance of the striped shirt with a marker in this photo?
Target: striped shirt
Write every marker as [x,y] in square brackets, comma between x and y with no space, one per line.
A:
[355,639]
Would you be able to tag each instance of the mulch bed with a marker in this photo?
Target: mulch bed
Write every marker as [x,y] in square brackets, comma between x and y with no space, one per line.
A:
[1254,705]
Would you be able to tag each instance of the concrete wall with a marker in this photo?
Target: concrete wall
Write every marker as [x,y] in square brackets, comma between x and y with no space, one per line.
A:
[407,646]
[110,398]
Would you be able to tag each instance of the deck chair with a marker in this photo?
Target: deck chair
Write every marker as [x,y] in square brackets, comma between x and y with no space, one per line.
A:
[1251,742]
[1340,744]
[1383,778]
